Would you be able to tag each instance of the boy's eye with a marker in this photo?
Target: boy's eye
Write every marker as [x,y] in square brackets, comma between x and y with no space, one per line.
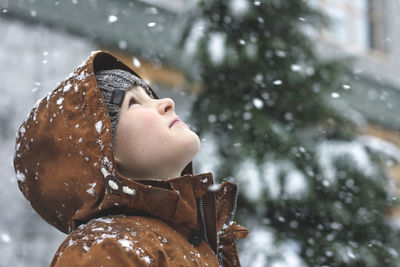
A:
[131,101]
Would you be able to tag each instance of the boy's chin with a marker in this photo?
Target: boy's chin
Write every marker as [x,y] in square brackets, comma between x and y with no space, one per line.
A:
[191,149]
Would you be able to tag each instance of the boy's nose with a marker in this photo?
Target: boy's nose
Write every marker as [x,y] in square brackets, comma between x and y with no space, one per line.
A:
[165,105]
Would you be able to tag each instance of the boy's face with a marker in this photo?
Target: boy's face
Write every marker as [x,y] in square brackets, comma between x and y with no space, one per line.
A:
[147,146]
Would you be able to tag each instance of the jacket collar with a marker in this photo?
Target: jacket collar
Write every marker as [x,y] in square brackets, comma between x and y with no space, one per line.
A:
[175,201]
[172,200]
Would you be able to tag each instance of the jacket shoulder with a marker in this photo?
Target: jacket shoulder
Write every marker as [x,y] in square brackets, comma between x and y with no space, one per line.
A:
[126,241]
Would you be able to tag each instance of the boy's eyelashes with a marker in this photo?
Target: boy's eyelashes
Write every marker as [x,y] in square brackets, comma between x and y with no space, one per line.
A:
[132,101]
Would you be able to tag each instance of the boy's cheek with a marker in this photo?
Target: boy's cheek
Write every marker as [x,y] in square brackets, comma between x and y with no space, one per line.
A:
[142,121]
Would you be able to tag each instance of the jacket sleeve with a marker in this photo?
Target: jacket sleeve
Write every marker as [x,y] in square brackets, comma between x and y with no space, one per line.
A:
[108,252]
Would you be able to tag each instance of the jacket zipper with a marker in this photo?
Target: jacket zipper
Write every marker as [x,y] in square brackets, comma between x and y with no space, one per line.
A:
[203,221]
[204,229]
[234,206]
[230,219]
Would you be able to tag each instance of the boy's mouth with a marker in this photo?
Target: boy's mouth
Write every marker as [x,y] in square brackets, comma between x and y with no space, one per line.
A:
[175,120]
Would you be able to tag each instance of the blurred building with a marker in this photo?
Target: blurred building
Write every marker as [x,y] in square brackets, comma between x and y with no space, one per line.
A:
[369,31]
[44,40]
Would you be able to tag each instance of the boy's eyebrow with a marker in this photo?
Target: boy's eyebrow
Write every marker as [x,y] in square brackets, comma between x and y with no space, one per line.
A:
[135,87]
[138,88]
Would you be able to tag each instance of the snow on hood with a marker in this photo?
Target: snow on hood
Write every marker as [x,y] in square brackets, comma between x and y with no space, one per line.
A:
[63,153]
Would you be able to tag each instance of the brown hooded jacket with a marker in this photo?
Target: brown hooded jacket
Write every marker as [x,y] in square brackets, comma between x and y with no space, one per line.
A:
[65,168]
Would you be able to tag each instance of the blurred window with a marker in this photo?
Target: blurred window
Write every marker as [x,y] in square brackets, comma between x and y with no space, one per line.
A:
[356,25]
[377,30]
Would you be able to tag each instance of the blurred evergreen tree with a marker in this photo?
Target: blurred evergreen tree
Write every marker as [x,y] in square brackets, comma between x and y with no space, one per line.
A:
[313,190]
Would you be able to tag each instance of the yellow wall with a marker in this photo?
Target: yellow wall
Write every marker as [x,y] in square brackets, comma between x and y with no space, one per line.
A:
[389,135]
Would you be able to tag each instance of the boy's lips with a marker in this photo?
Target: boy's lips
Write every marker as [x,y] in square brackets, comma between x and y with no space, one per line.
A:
[175,120]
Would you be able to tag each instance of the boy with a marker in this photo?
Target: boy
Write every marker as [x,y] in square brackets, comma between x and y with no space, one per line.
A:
[106,161]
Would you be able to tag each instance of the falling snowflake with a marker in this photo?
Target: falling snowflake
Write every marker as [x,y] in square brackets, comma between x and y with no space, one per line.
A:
[112,18]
